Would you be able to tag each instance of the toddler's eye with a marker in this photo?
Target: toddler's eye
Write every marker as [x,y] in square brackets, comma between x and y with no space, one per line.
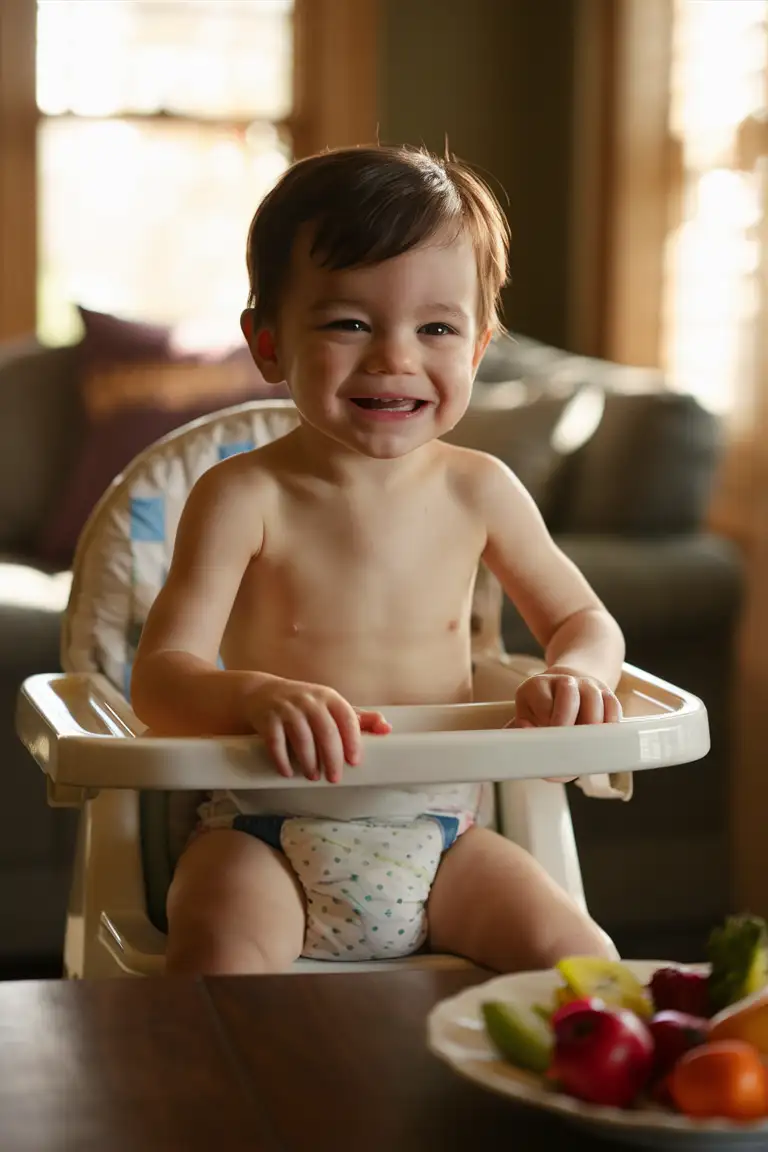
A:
[438,329]
[348,325]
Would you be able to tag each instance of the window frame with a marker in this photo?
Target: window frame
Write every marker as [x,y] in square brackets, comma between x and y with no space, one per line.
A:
[334,85]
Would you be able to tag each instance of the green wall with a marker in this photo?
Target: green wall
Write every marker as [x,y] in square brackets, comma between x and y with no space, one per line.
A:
[496,76]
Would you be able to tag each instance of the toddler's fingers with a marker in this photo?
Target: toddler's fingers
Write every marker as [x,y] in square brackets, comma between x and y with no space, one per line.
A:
[612,709]
[374,722]
[302,741]
[277,746]
[348,726]
[328,742]
[534,703]
[566,703]
[591,708]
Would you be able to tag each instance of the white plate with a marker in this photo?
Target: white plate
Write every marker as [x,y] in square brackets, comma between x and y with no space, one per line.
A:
[456,1034]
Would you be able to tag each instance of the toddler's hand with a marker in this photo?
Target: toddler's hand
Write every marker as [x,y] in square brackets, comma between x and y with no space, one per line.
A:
[317,725]
[555,699]
[561,699]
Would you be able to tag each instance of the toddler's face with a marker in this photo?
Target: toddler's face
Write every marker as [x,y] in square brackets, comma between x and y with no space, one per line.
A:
[382,358]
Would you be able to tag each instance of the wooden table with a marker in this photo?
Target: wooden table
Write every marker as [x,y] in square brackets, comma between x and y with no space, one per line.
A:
[270,1064]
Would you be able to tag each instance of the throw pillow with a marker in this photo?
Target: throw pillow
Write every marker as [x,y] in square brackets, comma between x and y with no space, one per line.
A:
[136,387]
[523,435]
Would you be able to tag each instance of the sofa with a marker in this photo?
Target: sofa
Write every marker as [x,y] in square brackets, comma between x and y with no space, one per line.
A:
[621,469]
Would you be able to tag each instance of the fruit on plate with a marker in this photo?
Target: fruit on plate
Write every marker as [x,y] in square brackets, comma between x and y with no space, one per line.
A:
[565,1010]
[678,990]
[520,1034]
[738,956]
[674,1034]
[747,1020]
[607,980]
[724,1080]
[602,1056]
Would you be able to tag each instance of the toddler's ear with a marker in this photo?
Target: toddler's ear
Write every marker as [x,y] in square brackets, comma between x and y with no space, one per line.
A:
[483,340]
[262,345]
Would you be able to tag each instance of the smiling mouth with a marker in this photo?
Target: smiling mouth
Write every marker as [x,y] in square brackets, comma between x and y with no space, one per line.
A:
[388,403]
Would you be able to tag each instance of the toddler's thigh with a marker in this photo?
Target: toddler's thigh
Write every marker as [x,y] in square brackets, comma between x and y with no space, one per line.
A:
[230,884]
[493,903]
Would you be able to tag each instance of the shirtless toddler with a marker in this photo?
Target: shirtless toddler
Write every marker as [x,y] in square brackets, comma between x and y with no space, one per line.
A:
[332,572]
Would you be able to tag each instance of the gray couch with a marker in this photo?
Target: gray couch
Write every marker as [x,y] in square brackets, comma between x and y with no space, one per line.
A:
[626,502]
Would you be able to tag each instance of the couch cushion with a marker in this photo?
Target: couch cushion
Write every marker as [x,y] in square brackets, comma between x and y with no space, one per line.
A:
[39,434]
[31,605]
[661,588]
[647,471]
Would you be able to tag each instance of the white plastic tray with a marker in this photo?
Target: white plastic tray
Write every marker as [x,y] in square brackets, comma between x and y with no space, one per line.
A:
[83,734]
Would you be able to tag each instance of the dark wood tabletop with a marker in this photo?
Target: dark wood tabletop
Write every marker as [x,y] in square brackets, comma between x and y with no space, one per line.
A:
[269,1064]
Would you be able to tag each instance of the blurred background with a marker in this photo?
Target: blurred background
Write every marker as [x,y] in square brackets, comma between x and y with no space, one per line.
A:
[627,140]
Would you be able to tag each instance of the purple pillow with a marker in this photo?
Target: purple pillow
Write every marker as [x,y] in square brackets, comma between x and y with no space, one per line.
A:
[135,389]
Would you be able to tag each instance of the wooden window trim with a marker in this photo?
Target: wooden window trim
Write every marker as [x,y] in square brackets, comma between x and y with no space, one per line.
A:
[335,74]
[18,159]
[622,176]
[334,105]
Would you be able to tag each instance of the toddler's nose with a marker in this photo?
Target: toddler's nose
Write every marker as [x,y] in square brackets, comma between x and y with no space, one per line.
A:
[389,356]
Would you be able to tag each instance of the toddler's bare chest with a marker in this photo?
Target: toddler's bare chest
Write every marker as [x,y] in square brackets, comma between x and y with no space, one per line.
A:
[406,570]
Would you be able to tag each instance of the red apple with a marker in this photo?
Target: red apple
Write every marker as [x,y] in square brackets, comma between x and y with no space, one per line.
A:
[603,1056]
[566,1010]
[674,1033]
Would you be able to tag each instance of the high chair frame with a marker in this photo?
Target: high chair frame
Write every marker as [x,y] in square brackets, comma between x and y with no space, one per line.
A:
[81,730]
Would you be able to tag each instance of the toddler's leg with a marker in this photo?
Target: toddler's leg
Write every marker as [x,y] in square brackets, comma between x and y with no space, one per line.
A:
[234,907]
[493,904]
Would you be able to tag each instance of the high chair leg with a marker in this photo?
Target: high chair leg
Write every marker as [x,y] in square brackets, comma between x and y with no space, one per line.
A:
[108,874]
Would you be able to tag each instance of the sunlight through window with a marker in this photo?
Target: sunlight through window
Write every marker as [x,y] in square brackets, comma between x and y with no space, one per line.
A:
[162,126]
[719,81]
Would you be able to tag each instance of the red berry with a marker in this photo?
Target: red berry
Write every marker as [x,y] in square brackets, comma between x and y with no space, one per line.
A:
[674,989]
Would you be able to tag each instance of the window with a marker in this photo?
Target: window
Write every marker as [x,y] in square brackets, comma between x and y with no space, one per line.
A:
[162,124]
[714,252]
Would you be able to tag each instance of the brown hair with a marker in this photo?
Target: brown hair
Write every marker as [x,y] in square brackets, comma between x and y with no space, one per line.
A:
[371,204]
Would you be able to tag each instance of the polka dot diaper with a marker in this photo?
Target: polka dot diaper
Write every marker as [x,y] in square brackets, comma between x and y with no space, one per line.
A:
[366,884]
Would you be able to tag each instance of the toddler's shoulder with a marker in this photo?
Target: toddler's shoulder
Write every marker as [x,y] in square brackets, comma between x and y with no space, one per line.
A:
[478,475]
[246,477]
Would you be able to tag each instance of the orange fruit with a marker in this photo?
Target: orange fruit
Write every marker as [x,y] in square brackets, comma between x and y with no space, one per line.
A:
[747,1021]
[723,1079]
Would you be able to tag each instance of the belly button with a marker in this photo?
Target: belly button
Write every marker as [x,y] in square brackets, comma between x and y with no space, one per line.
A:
[294,629]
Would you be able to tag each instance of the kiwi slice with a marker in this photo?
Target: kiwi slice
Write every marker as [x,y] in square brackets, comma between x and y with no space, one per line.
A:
[521,1035]
[606,980]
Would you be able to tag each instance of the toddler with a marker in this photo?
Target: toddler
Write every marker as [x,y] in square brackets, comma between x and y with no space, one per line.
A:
[331,572]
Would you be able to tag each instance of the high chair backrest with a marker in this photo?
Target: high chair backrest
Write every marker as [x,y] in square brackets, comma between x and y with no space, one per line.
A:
[126,547]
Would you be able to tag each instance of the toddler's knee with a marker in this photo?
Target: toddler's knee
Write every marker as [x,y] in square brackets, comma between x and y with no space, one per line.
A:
[200,949]
[582,936]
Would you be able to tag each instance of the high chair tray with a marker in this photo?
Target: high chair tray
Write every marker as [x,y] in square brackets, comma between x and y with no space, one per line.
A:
[83,734]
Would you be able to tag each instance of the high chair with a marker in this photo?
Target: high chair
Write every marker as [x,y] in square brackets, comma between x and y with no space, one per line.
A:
[138,794]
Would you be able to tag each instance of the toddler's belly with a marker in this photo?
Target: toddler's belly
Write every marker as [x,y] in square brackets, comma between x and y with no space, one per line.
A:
[365,670]
[351,803]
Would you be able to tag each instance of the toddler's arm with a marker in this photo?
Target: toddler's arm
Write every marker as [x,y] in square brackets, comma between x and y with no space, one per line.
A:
[176,688]
[583,644]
